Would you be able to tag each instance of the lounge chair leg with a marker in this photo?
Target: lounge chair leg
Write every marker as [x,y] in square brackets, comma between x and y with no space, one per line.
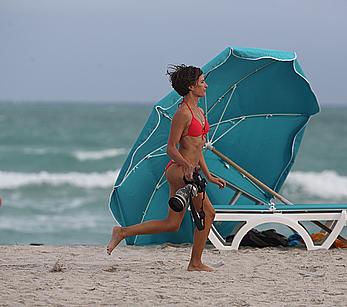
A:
[327,229]
[341,222]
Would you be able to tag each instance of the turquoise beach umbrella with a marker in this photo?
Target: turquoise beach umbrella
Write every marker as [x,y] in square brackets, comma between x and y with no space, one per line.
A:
[258,103]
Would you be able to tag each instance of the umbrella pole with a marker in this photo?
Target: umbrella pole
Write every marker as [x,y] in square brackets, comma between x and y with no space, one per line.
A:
[248,175]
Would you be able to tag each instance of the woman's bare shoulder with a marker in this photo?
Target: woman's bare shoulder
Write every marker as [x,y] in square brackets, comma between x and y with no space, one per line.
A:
[182,114]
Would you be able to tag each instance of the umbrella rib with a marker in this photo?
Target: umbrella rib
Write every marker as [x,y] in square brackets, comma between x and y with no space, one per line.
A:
[157,108]
[220,98]
[232,127]
[226,106]
[256,186]
[206,75]
[239,81]
[132,157]
[154,156]
[160,185]
[257,115]
[248,194]
[180,98]
[162,111]
[157,186]
[242,118]
[144,158]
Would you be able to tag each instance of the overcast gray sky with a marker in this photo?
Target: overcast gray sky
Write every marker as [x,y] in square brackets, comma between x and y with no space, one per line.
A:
[118,51]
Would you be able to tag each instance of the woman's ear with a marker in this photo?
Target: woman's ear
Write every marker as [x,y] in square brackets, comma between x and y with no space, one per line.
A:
[190,87]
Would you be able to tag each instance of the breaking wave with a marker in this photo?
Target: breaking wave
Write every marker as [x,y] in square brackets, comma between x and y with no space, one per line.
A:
[13,180]
[327,185]
[80,155]
[99,155]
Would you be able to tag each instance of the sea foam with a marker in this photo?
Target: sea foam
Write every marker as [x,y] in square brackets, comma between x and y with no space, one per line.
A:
[80,155]
[99,155]
[50,223]
[327,185]
[14,180]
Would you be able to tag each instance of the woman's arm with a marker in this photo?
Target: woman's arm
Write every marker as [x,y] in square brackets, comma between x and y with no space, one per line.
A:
[178,124]
[203,166]
[216,180]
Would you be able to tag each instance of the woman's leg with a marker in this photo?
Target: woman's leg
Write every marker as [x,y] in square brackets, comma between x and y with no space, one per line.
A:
[200,237]
[170,224]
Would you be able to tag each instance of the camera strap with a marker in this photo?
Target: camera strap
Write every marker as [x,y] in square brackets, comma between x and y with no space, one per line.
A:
[198,217]
[202,212]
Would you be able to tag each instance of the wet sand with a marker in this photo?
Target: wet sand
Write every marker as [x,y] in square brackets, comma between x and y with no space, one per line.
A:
[151,276]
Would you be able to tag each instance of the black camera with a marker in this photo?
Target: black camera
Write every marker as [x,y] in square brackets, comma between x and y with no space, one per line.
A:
[183,195]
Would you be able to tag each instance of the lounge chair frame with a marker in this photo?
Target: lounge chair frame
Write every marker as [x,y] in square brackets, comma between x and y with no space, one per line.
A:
[267,211]
[292,219]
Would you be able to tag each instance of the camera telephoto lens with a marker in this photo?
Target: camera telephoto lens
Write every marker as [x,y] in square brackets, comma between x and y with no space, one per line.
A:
[176,203]
[181,199]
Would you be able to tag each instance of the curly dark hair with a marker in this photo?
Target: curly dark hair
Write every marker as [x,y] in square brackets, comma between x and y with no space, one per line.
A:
[182,76]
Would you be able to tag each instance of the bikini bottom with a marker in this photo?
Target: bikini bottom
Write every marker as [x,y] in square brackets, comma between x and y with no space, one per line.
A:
[169,164]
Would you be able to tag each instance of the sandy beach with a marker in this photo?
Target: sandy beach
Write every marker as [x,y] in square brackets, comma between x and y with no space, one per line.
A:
[147,276]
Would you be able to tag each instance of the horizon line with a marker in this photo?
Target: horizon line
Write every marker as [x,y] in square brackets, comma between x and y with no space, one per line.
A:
[119,102]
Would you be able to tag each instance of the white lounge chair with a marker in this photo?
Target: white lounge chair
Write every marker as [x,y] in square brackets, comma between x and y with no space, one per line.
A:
[258,210]
[290,215]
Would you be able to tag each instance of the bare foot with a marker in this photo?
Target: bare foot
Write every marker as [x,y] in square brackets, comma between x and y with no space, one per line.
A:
[115,239]
[199,267]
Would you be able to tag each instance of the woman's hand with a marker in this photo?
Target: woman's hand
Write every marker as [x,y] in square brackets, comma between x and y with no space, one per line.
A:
[188,170]
[218,181]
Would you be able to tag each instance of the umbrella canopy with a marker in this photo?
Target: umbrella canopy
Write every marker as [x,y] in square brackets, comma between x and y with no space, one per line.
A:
[258,103]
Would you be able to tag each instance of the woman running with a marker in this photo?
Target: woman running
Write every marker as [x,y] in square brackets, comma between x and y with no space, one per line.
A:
[187,137]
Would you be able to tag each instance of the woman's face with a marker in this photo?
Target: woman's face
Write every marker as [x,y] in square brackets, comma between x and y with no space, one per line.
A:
[199,89]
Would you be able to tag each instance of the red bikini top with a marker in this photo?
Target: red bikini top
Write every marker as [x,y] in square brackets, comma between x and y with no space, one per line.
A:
[195,128]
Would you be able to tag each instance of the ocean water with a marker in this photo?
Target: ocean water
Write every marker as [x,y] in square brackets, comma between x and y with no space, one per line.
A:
[58,163]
